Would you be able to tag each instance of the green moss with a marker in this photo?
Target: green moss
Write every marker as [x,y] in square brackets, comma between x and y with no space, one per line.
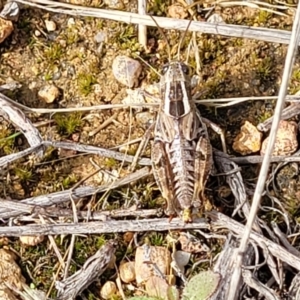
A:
[69,181]
[264,116]
[53,53]
[126,38]
[71,35]
[25,173]
[48,77]
[157,7]
[7,140]
[85,83]
[68,123]
[110,162]
[156,239]
[263,17]
[264,68]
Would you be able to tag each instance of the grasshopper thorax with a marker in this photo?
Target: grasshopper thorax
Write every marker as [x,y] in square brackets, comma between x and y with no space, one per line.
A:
[175,89]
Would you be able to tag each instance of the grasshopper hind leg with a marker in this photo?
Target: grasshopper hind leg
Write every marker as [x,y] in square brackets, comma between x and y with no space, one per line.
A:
[163,176]
[203,166]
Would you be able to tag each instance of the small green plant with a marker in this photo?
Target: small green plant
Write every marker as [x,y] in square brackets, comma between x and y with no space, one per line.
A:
[68,124]
[7,140]
[48,76]
[157,7]
[156,239]
[24,174]
[71,35]
[110,162]
[100,241]
[296,75]
[127,38]
[85,83]
[263,17]
[54,52]
[264,68]
[69,181]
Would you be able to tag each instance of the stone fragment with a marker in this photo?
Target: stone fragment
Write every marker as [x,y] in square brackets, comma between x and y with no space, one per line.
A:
[114,4]
[157,287]
[6,28]
[10,272]
[286,142]
[177,11]
[248,140]
[50,25]
[146,257]
[126,70]
[30,240]
[11,11]
[108,290]
[127,271]
[48,93]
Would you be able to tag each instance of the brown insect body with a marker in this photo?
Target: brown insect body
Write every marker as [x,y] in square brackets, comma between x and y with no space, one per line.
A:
[181,152]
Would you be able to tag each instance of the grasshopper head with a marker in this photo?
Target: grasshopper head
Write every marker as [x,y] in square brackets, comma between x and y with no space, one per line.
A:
[176,89]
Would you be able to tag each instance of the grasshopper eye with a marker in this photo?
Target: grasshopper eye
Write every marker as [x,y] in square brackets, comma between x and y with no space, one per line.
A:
[165,69]
[185,69]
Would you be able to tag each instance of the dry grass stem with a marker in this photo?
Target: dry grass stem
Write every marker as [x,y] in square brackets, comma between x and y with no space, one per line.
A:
[266,161]
[257,33]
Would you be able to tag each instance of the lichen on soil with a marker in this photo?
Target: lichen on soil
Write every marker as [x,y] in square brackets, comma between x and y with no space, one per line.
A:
[71,59]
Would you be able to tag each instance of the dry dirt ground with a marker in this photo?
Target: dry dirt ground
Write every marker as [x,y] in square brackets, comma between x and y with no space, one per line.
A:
[72,59]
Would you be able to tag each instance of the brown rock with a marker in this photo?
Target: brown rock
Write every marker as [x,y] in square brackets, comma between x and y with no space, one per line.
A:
[29,240]
[286,142]
[177,11]
[127,272]
[10,272]
[126,70]
[48,93]
[248,140]
[108,290]
[6,28]
[50,25]
[158,256]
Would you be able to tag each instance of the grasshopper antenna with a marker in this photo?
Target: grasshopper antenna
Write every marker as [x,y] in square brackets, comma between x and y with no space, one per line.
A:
[163,34]
[184,35]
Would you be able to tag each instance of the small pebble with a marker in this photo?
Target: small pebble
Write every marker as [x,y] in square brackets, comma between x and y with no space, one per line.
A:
[37,33]
[127,272]
[29,240]
[108,290]
[159,256]
[10,272]
[48,93]
[71,22]
[248,140]
[177,11]
[114,4]
[50,25]
[126,70]
[56,75]
[286,142]
[6,28]
[100,37]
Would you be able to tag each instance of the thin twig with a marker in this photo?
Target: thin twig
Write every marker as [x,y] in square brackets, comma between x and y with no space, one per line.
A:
[142,9]
[258,33]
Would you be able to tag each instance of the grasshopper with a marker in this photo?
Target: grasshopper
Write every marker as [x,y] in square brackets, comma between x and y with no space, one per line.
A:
[181,152]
